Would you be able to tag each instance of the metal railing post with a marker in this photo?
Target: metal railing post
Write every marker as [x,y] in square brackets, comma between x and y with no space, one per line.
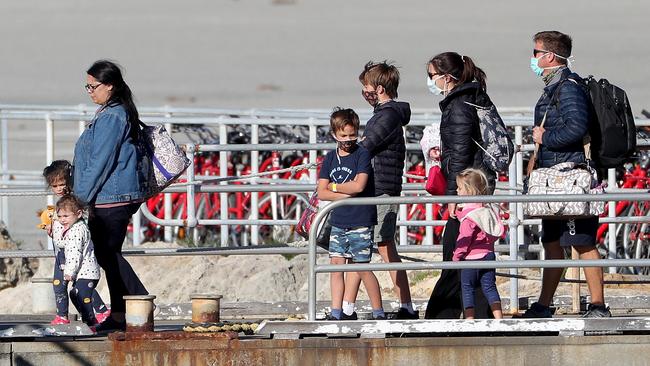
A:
[311,284]
[137,224]
[519,159]
[4,154]
[403,214]
[313,154]
[223,172]
[255,198]
[168,231]
[428,239]
[49,157]
[611,212]
[513,225]
[192,221]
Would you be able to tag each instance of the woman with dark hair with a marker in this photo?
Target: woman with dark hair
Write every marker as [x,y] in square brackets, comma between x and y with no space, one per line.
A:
[463,86]
[111,176]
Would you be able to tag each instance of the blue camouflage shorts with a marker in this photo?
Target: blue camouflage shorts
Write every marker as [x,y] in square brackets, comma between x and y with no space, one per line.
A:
[354,243]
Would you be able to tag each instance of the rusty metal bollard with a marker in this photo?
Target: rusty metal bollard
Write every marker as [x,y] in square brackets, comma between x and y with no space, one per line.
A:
[139,313]
[205,308]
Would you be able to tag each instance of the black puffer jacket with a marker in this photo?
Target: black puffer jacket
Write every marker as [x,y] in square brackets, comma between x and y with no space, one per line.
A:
[459,126]
[566,123]
[384,138]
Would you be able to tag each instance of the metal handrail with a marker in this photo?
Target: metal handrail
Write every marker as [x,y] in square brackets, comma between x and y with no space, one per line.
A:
[517,118]
[314,268]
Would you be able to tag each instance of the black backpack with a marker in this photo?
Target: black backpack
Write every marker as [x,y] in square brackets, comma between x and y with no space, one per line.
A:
[611,125]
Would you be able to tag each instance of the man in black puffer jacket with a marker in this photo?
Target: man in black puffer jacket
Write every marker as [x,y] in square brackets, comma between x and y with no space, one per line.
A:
[566,107]
[383,137]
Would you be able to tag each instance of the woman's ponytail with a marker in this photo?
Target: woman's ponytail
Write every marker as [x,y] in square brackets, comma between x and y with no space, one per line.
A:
[472,72]
[462,68]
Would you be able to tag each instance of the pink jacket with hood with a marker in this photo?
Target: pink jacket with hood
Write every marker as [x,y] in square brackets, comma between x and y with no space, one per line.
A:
[480,227]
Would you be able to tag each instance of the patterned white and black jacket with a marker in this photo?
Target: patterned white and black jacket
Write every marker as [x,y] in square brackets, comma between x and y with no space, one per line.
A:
[80,260]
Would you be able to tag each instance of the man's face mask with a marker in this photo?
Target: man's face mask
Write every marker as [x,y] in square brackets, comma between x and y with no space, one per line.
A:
[534,61]
[370,97]
[534,65]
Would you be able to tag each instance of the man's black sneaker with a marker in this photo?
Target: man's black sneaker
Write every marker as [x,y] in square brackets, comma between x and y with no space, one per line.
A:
[352,316]
[331,317]
[379,317]
[404,314]
[597,311]
[538,310]
[110,325]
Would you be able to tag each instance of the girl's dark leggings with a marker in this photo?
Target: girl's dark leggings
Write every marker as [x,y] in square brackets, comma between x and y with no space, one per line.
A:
[61,289]
[81,297]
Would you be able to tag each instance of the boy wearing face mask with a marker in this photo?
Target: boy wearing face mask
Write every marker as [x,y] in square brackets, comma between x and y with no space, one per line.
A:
[383,137]
[351,236]
[564,108]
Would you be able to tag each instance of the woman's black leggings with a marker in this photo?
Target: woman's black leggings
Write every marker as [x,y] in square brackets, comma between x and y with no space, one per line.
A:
[108,230]
[61,289]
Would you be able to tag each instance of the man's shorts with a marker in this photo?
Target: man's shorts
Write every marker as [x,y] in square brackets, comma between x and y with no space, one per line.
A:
[355,243]
[386,222]
[570,233]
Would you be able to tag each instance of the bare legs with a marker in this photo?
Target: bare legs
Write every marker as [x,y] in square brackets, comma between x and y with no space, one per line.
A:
[551,276]
[347,288]
[400,280]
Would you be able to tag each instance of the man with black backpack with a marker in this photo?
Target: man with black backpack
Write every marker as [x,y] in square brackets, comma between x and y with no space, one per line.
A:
[562,117]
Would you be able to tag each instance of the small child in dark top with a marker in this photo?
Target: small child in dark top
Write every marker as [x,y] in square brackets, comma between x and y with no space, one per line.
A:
[347,172]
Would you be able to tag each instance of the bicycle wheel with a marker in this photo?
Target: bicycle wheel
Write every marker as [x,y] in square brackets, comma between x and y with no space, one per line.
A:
[641,248]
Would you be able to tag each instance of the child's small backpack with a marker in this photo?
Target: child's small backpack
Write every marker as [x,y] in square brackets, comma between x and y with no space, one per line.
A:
[611,117]
[497,145]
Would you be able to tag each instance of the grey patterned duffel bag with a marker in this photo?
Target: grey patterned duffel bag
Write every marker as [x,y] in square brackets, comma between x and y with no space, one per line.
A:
[564,178]
[496,143]
[167,158]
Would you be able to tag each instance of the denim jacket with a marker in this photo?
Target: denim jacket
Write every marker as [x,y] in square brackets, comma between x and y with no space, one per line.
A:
[109,167]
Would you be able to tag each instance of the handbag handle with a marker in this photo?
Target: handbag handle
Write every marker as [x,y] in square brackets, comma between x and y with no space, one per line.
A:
[533,159]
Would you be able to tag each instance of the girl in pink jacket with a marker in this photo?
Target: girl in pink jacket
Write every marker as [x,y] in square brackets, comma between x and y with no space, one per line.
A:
[480,227]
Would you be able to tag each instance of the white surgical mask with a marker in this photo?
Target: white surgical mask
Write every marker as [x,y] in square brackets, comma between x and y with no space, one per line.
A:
[433,88]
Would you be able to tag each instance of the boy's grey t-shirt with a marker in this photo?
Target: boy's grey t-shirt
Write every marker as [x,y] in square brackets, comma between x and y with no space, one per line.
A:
[343,169]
